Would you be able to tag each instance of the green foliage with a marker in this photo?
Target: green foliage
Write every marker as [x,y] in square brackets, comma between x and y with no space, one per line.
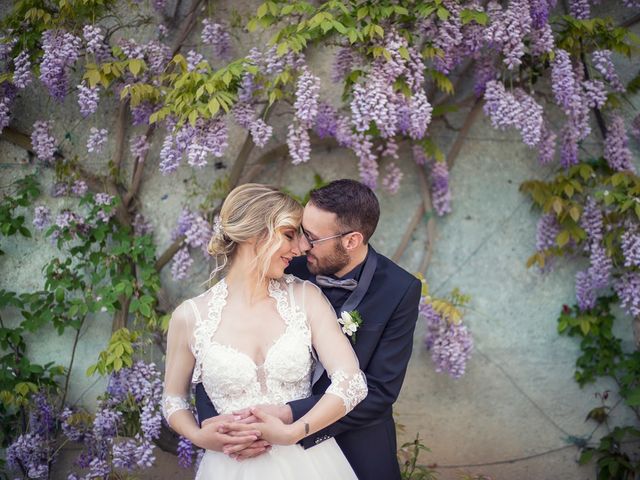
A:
[602,356]
[565,196]
[408,458]
[32,17]
[103,267]
[581,36]
[613,463]
[11,221]
[118,354]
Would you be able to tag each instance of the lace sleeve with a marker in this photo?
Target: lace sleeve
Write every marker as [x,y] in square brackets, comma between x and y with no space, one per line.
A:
[179,362]
[334,350]
[351,388]
[171,404]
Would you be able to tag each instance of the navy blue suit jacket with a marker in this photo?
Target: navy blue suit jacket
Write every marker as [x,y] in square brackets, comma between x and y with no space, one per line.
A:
[384,342]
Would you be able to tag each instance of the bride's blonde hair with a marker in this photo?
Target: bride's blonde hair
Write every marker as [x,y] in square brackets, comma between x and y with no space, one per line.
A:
[252,211]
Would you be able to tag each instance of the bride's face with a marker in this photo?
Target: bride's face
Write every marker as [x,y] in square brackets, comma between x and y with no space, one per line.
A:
[289,249]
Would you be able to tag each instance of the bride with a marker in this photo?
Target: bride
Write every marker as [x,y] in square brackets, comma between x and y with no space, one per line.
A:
[249,339]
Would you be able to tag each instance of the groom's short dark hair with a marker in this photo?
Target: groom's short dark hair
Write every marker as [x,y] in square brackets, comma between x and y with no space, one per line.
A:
[355,205]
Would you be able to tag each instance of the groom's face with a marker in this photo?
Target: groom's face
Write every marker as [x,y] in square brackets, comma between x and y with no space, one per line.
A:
[327,256]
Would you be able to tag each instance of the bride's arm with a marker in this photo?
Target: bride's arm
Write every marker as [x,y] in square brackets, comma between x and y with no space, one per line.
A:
[179,364]
[348,383]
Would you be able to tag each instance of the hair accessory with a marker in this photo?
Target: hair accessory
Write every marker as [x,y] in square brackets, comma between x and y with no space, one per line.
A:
[217,226]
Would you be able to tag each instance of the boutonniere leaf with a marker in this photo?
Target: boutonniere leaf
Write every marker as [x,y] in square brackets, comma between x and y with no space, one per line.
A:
[350,322]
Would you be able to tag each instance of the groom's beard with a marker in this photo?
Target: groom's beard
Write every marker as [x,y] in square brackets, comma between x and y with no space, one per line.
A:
[329,264]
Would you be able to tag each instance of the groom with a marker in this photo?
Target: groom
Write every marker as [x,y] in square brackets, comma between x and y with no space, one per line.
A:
[337,224]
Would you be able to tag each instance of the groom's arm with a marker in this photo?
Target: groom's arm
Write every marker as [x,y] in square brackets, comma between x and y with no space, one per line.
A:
[385,372]
[204,406]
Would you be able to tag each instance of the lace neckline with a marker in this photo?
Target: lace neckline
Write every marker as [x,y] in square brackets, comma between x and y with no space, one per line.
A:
[218,300]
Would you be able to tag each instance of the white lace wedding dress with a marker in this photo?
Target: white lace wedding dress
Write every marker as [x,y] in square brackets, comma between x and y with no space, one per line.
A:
[234,381]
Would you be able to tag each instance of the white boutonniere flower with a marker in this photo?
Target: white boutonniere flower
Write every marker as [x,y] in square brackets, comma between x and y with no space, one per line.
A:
[350,322]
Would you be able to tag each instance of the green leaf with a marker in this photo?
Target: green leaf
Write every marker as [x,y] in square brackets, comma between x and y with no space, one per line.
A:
[633,398]
[586,456]
[563,238]
[442,13]
[282,49]
[262,10]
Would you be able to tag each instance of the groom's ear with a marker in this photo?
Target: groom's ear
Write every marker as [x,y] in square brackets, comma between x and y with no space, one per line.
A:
[354,240]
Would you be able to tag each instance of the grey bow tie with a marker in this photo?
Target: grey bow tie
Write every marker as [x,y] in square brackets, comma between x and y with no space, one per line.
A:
[348,284]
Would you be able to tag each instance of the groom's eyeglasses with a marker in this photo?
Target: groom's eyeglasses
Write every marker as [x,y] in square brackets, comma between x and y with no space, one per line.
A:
[313,242]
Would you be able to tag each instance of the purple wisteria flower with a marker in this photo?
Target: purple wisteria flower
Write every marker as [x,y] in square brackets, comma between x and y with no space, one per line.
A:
[22,70]
[343,63]
[97,139]
[564,82]
[419,115]
[547,230]
[79,188]
[139,146]
[5,113]
[389,149]
[362,146]
[634,127]
[450,344]
[72,427]
[195,228]
[41,217]
[630,245]
[185,452]
[105,423]
[547,145]
[29,454]
[628,289]
[440,193]
[507,30]
[44,145]
[539,11]
[541,40]
[418,155]
[60,189]
[604,65]
[61,50]
[307,93]
[484,72]
[124,454]
[326,124]
[141,226]
[452,349]
[170,155]
[88,99]
[517,109]
[299,143]
[95,42]
[595,93]
[373,101]
[181,264]
[391,181]
[141,113]
[580,9]
[261,132]
[193,60]
[616,146]
[218,37]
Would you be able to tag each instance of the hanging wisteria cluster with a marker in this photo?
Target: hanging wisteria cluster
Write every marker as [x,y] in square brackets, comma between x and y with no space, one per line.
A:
[197,232]
[450,342]
[132,398]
